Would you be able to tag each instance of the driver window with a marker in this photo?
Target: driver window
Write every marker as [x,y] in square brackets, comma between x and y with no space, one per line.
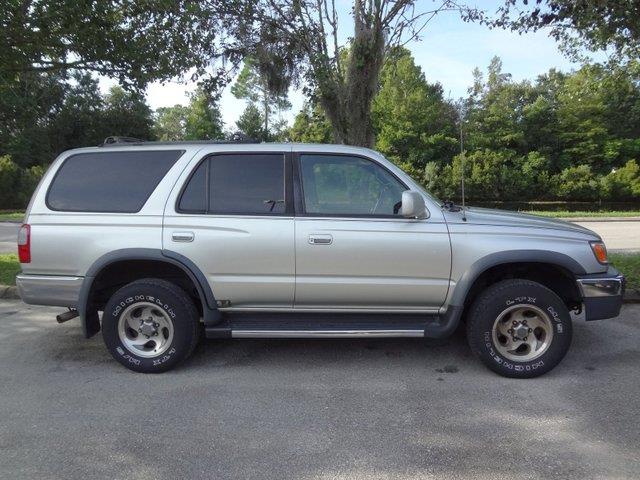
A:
[343,185]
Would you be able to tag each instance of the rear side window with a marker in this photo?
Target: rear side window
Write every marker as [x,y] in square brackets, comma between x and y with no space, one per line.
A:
[118,182]
[237,184]
[194,196]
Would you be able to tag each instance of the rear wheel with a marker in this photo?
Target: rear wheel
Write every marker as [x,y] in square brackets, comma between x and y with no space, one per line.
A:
[519,328]
[150,325]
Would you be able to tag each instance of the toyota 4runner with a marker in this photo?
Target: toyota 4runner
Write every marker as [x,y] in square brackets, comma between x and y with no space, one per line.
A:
[155,243]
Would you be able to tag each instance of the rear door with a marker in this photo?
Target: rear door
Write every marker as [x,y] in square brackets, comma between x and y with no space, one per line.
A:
[233,217]
[354,250]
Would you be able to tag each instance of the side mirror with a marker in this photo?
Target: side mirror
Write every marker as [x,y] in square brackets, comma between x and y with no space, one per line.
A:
[413,205]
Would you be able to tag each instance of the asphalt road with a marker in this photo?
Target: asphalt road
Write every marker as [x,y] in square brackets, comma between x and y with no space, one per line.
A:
[618,235]
[314,409]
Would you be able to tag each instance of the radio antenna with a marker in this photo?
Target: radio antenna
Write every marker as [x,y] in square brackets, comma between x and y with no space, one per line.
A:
[462,158]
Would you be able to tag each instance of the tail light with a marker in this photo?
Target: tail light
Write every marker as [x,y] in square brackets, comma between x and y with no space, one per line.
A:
[24,244]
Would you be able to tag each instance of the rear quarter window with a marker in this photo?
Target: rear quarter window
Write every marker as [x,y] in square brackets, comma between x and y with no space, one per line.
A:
[117,182]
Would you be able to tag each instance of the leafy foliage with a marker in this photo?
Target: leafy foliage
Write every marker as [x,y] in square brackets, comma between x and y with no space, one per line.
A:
[135,42]
[199,120]
[412,121]
[250,124]
[42,115]
[293,40]
[253,86]
[593,24]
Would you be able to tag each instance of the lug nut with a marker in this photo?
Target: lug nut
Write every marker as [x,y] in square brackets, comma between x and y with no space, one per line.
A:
[514,322]
[530,330]
[525,339]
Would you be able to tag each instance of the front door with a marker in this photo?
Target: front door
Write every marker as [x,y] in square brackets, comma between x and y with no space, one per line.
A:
[234,219]
[353,249]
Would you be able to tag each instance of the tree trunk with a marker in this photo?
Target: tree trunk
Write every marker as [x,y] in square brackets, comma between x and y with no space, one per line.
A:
[346,100]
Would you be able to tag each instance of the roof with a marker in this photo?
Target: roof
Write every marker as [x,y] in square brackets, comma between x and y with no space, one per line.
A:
[124,142]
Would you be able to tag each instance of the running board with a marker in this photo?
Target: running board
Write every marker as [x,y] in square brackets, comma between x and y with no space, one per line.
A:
[273,333]
[312,325]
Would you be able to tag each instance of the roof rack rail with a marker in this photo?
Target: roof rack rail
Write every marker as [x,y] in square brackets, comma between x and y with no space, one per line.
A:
[115,139]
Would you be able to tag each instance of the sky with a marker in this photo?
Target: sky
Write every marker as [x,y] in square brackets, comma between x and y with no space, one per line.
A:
[448,51]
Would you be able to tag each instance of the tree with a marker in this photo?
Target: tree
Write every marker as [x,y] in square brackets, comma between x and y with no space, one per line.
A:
[203,120]
[311,125]
[126,114]
[169,123]
[593,24]
[252,85]
[42,115]
[413,123]
[200,119]
[251,124]
[134,42]
[290,39]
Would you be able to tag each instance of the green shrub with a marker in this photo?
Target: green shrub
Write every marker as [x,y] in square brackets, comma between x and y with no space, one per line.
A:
[29,179]
[9,180]
[622,183]
[17,184]
[577,183]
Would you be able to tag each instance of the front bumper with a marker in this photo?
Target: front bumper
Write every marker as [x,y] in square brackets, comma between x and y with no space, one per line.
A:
[55,290]
[602,294]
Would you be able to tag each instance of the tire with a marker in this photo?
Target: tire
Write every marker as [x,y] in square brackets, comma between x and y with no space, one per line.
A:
[150,325]
[519,328]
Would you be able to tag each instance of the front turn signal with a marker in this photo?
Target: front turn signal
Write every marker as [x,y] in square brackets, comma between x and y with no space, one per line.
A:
[600,251]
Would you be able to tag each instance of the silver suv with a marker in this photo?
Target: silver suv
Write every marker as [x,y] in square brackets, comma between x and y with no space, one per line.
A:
[155,243]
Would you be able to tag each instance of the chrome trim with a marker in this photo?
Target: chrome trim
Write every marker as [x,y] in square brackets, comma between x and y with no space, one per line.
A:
[182,236]
[601,287]
[54,290]
[317,309]
[325,333]
[320,239]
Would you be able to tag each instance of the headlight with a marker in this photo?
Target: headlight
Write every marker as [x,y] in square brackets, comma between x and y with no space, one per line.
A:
[600,251]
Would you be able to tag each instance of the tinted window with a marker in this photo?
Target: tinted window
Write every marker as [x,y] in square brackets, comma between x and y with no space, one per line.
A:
[247,184]
[194,196]
[343,185]
[109,181]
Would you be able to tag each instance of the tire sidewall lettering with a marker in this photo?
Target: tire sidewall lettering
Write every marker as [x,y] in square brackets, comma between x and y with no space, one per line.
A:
[126,354]
[143,298]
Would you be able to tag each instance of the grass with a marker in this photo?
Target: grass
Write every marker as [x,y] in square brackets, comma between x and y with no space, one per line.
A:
[9,268]
[11,215]
[569,214]
[629,265]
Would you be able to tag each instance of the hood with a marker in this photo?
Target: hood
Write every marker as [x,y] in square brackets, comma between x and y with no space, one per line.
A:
[486,216]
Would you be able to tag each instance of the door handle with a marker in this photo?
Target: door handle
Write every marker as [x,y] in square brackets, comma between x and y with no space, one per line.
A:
[182,236]
[320,239]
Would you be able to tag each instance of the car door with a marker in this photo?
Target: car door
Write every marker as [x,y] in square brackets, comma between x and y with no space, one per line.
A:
[233,217]
[354,250]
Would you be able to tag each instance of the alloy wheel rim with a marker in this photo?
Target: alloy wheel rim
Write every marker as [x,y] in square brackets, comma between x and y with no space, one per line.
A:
[522,333]
[145,329]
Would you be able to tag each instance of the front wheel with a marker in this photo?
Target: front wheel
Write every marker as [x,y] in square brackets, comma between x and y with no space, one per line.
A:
[150,325]
[519,328]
